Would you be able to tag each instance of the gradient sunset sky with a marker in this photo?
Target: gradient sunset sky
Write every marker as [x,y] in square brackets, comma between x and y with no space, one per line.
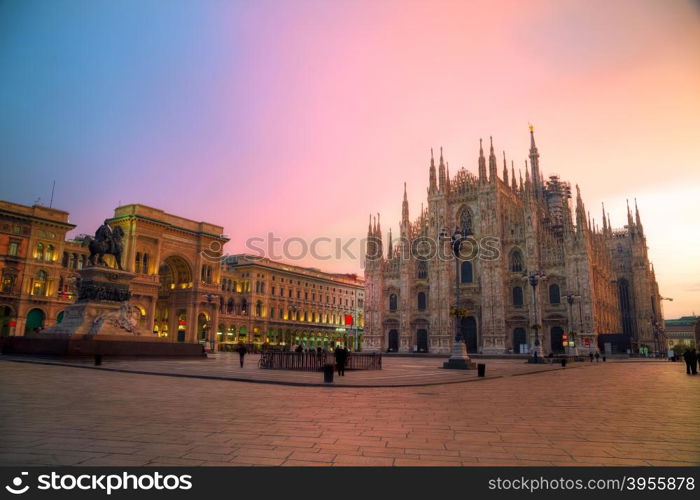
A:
[300,117]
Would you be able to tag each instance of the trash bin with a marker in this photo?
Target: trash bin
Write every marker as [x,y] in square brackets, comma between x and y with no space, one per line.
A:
[481,368]
[328,373]
[98,359]
[563,362]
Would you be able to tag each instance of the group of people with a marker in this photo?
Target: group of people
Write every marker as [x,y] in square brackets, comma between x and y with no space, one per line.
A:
[341,355]
[691,361]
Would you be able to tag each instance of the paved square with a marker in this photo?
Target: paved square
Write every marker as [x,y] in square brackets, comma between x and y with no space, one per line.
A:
[615,413]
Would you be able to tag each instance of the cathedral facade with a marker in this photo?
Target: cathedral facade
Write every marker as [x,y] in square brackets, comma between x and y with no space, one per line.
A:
[533,269]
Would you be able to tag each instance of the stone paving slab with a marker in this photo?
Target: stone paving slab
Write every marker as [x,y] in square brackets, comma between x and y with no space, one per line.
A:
[395,372]
[606,414]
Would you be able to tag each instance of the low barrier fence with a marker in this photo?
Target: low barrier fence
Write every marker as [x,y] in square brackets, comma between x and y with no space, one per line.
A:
[312,361]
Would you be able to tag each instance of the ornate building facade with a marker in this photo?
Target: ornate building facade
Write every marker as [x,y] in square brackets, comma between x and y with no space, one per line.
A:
[185,288]
[593,286]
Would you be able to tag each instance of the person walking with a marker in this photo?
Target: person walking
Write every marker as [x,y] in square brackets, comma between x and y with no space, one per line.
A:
[242,352]
[341,355]
[691,361]
[597,356]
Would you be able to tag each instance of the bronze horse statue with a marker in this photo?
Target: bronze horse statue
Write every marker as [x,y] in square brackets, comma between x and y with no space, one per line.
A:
[107,241]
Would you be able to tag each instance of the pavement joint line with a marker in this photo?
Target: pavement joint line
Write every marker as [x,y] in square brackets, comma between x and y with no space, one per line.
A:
[275,382]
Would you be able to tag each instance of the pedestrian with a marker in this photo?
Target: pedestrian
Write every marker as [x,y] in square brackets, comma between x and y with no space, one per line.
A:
[597,356]
[242,352]
[591,355]
[691,361]
[299,348]
[341,355]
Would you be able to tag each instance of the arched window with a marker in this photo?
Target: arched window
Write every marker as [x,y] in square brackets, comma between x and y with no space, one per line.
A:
[517,296]
[244,307]
[65,260]
[138,262]
[421,301]
[422,269]
[554,296]
[467,274]
[258,309]
[74,261]
[49,253]
[40,251]
[516,261]
[40,284]
[393,302]
[8,281]
[465,222]
[145,263]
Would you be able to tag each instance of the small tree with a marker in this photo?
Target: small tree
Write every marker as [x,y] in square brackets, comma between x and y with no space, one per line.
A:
[679,349]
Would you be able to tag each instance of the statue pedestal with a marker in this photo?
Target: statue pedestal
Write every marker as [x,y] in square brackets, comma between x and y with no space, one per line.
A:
[459,359]
[101,322]
[102,310]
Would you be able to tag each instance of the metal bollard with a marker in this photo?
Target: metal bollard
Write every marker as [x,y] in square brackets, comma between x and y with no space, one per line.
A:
[98,359]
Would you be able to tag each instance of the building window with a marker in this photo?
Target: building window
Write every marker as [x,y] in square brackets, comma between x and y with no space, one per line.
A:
[421,301]
[393,302]
[138,262]
[144,267]
[50,253]
[554,296]
[39,287]
[65,260]
[8,282]
[465,222]
[517,296]
[14,248]
[516,261]
[422,269]
[467,272]
[40,251]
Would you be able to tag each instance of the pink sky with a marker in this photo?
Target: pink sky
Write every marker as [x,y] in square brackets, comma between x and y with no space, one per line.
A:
[300,118]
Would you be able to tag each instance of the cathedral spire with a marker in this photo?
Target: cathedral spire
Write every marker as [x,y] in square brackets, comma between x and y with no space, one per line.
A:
[443,181]
[520,174]
[505,169]
[389,246]
[379,226]
[605,222]
[630,223]
[638,219]
[493,174]
[535,163]
[404,207]
[447,165]
[514,186]
[528,184]
[482,164]
[580,212]
[433,177]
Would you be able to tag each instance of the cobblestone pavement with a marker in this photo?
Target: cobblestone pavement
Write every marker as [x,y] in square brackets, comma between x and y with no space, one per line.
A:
[395,372]
[645,413]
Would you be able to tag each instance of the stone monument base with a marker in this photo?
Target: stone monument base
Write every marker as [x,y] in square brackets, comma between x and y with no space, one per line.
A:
[102,321]
[459,364]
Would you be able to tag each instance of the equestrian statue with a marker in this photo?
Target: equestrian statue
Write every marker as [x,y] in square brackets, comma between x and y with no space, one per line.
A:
[107,241]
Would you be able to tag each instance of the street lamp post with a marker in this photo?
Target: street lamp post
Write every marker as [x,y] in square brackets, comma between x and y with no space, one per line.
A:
[570,298]
[212,329]
[460,358]
[534,278]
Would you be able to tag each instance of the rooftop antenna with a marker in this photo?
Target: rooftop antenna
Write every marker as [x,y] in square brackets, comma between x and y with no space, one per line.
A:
[53,186]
